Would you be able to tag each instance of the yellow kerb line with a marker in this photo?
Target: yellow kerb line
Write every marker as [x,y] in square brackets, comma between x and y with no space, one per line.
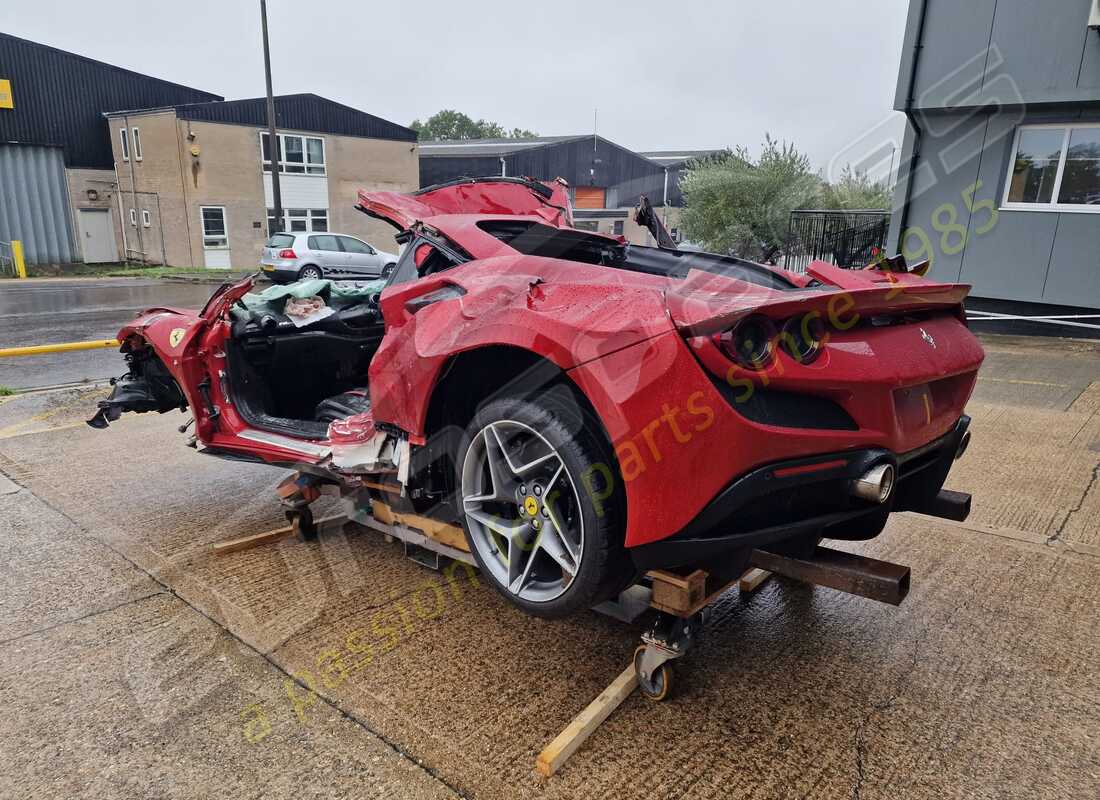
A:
[61,347]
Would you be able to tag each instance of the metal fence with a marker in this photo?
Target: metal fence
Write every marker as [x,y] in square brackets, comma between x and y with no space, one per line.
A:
[7,261]
[845,238]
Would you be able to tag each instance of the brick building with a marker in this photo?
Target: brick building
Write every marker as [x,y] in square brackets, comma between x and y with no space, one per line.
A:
[195,180]
[188,182]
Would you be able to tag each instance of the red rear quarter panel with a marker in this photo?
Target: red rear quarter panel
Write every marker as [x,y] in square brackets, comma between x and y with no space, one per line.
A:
[566,312]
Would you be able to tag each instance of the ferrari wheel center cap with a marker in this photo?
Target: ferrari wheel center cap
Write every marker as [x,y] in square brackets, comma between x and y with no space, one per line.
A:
[531,506]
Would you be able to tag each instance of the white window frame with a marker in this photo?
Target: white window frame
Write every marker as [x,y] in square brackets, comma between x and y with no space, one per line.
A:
[146,218]
[124,137]
[133,217]
[310,215]
[320,167]
[202,228]
[1053,205]
[135,143]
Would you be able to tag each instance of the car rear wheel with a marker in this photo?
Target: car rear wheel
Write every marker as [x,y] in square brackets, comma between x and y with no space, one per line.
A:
[542,505]
[386,270]
[310,273]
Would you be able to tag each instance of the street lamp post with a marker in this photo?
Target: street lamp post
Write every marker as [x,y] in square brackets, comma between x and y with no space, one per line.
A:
[272,137]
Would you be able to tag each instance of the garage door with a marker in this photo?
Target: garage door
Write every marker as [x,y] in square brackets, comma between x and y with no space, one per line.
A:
[589,197]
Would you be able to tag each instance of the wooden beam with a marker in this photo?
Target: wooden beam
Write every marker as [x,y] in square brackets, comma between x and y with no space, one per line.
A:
[751,580]
[392,488]
[248,542]
[442,532]
[576,732]
[267,537]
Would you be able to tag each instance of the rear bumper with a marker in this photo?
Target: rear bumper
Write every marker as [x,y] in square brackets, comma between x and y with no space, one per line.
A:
[806,497]
[280,272]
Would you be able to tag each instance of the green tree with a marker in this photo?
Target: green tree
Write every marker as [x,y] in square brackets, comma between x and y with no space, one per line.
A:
[855,190]
[734,204]
[451,124]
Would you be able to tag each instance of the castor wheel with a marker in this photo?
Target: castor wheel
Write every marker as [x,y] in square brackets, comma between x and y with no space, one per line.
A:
[301,520]
[656,686]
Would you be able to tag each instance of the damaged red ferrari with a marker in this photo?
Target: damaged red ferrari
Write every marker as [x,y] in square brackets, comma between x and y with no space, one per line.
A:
[584,407]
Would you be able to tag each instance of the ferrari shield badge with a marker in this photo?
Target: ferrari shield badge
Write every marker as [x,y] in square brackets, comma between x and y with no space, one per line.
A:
[176,336]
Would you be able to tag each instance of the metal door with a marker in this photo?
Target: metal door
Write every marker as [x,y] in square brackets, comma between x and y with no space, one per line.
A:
[361,256]
[97,235]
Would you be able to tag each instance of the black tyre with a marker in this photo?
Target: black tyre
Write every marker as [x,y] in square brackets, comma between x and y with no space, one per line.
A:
[658,686]
[386,270]
[542,503]
[310,272]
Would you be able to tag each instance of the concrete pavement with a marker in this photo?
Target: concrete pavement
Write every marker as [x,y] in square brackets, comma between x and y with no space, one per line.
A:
[142,665]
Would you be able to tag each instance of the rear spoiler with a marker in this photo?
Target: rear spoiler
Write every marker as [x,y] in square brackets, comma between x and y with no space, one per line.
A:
[845,295]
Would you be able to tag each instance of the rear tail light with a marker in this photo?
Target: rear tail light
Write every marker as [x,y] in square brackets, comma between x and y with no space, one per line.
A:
[751,343]
[287,253]
[802,337]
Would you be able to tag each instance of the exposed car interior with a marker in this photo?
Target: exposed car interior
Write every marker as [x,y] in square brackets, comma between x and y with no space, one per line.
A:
[297,380]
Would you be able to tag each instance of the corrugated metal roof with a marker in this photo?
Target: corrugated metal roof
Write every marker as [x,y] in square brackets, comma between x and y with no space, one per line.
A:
[580,160]
[301,112]
[488,147]
[60,96]
[667,158]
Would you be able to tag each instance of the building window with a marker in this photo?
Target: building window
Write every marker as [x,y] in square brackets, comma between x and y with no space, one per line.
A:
[133,217]
[1055,168]
[300,220]
[214,234]
[301,155]
[137,145]
[125,139]
[146,219]
[617,228]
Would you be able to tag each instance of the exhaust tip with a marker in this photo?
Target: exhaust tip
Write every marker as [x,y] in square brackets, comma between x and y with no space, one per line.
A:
[876,484]
[964,443]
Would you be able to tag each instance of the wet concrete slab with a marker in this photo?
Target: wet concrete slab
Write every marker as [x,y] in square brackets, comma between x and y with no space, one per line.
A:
[984,683]
[152,699]
[51,573]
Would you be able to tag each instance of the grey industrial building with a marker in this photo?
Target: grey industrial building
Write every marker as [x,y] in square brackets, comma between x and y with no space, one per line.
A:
[57,178]
[1000,175]
[606,180]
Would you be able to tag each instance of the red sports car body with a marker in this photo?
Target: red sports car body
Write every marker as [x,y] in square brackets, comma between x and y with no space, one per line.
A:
[521,376]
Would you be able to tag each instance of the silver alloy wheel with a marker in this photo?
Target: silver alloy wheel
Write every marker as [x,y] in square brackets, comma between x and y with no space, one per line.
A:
[311,273]
[523,511]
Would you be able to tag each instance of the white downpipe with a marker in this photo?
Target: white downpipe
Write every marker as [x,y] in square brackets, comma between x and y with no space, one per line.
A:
[121,217]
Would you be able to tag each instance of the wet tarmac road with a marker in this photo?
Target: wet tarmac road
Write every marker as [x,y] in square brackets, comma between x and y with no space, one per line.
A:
[51,311]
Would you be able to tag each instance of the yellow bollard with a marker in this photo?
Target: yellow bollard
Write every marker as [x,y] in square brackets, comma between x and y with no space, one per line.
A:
[63,347]
[17,259]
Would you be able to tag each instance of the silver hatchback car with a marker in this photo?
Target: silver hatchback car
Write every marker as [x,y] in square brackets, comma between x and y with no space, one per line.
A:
[290,257]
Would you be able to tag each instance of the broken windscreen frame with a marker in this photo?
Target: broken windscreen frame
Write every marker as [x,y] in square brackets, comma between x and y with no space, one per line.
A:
[536,239]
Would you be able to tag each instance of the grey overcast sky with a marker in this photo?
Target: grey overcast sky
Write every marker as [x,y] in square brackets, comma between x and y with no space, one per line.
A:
[664,75]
